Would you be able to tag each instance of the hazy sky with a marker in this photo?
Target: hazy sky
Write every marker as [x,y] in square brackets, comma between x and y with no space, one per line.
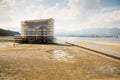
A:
[69,15]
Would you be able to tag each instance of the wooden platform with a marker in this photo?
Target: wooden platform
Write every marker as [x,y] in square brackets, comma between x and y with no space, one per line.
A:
[34,39]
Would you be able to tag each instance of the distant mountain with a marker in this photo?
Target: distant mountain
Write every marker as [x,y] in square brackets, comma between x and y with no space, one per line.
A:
[95,31]
[4,32]
[99,31]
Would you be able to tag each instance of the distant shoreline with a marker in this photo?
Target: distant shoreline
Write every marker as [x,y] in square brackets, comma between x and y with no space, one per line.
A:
[6,38]
[70,38]
[91,36]
[76,39]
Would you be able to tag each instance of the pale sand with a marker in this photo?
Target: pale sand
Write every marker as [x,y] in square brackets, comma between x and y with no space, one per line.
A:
[39,62]
[107,47]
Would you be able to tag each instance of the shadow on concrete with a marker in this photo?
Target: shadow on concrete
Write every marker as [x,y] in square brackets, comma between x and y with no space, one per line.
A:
[56,44]
[60,44]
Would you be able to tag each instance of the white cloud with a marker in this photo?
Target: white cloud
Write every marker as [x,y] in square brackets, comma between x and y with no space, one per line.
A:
[105,19]
[78,14]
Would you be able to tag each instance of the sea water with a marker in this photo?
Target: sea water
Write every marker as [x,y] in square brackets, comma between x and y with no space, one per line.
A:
[76,39]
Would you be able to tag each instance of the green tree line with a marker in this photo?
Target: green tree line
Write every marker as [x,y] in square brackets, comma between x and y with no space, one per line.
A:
[4,32]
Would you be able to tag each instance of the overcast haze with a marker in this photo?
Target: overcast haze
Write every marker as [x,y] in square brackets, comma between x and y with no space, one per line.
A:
[69,15]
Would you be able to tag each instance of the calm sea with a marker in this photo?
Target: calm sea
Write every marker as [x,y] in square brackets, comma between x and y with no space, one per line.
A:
[73,39]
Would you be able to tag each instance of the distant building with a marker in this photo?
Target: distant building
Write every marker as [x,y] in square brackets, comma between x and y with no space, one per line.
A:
[38,31]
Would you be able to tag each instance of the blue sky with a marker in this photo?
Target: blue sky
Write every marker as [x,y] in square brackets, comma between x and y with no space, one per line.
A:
[69,15]
[110,3]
